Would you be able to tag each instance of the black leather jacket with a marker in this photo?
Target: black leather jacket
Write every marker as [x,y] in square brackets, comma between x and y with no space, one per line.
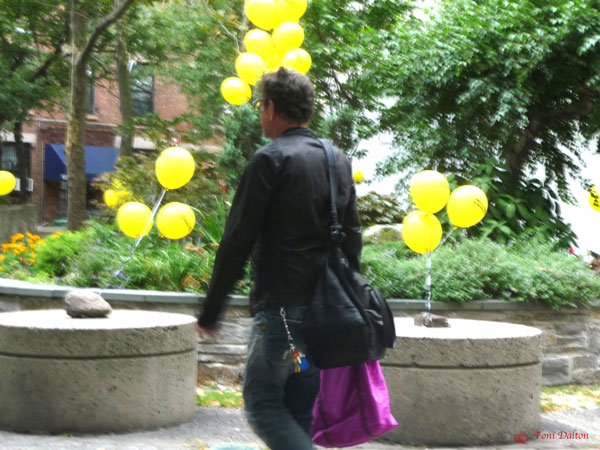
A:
[280,213]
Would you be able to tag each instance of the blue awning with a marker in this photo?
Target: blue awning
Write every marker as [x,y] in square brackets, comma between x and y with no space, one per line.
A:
[97,160]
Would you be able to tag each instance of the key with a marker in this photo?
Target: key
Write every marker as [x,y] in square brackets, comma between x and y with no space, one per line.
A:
[300,361]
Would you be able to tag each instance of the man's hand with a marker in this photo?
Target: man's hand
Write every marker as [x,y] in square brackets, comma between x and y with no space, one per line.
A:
[203,332]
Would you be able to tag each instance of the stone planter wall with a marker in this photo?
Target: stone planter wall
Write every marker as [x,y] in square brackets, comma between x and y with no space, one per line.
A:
[571,335]
[17,219]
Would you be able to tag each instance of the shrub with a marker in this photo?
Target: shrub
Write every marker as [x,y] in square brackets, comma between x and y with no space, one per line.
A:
[92,257]
[462,269]
[379,209]
[480,269]
[135,176]
[20,254]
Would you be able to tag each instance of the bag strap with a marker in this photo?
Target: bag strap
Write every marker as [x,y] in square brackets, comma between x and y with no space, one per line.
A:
[335,229]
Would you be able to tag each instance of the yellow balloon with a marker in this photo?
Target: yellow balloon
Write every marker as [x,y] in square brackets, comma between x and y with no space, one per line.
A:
[132,219]
[175,220]
[594,198]
[250,67]
[359,177]
[429,191]
[236,91]
[7,182]
[288,36]
[259,42]
[421,231]
[290,10]
[174,167]
[467,206]
[111,198]
[262,13]
[273,62]
[298,60]
[123,194]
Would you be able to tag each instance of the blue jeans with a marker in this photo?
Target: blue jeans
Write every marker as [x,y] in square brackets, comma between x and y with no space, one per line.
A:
[278,402]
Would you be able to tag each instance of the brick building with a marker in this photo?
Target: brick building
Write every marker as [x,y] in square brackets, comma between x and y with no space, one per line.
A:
[46,131]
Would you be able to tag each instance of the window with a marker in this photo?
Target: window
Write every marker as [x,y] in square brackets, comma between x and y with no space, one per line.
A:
[142,90]
[91,99]
[10,161]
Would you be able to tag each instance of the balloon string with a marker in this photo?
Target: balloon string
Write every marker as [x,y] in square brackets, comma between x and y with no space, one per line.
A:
[137,242]
[428,283]
[428,276]
[447,236]
[154,210]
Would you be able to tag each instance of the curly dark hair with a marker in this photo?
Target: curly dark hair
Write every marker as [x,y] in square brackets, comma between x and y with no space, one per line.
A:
[292,94]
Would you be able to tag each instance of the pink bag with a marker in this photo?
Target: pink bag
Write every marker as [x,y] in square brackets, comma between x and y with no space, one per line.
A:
[353,406]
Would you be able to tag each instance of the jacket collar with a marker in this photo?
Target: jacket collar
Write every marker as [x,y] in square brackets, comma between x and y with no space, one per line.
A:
[302,131]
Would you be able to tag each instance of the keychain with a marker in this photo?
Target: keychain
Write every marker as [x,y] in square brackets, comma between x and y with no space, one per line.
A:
[299,358]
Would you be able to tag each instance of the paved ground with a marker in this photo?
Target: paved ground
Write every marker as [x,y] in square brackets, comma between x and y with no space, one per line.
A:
[226,429]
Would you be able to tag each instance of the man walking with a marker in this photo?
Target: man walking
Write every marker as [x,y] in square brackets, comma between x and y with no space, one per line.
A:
[279,217]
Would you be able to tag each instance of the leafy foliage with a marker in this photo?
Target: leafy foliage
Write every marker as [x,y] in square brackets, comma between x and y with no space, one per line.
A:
[379,209]
[481,269]
[92,256]
[195,44]
[342,37]
[495,83]
[33,66]
[136,176]
[243,136]
[519,211]
[481,77]
[462,270]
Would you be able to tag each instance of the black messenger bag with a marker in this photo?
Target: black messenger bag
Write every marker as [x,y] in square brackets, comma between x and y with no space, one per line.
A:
[347,321]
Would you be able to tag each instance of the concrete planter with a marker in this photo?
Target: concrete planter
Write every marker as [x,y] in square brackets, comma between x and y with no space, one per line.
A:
[474,383]
[133,370]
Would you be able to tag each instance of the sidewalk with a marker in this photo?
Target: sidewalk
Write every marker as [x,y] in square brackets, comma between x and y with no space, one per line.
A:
[226,429]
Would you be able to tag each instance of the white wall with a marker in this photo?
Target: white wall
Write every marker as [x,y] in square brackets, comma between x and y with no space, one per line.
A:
[584,219]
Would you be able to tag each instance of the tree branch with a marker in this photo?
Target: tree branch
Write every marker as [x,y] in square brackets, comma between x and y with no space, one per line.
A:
[103,25]
[518,156]
[581,108]
[43,69]
[229,33]
[350,99]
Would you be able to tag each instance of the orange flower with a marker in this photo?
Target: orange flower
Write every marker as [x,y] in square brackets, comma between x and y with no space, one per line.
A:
[2,257]
[16,237]
[1,268]
[32,261]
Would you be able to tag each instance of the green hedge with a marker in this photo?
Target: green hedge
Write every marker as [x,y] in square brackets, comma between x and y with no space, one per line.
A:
[462,270]
[480,269]
[92,256]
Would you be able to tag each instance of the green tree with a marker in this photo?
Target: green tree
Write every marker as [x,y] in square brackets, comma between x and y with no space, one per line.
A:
[243,136]
[347,41]
[32,64]
[513,84]
[84,36]
[195,45]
